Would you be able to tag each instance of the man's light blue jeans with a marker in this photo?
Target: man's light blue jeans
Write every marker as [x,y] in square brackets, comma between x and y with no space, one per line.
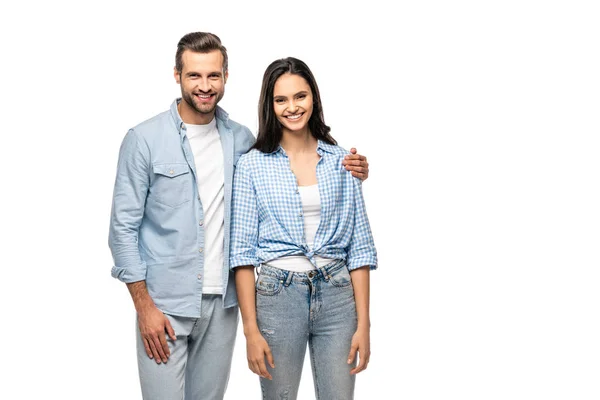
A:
[317,308]
[200,361]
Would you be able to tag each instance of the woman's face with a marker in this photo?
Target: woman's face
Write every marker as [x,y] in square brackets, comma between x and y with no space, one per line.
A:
[292,102]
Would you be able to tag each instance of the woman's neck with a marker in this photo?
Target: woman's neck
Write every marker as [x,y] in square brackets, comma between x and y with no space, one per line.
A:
[298,142]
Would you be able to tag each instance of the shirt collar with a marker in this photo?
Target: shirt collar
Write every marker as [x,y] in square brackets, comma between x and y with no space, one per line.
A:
[321,148]
[220,115]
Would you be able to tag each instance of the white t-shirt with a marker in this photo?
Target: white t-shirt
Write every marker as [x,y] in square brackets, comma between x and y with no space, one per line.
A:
[208,157]
[311,210]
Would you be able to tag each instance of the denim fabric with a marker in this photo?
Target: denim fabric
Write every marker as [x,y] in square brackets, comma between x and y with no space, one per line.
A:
[198,368]
[317,308]
[266,200]
[156,225]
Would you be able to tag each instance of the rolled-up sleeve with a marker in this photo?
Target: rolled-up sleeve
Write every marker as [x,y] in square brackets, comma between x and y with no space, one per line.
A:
[244,218]
[129,198]
[361,251]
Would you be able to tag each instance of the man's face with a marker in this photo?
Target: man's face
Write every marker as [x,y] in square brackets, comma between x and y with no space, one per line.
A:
[202,80]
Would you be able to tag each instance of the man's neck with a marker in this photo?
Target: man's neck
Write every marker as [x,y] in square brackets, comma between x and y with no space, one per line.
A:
[190,116]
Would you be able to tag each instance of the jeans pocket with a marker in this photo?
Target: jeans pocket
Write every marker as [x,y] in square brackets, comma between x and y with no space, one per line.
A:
[340,276]
[268,285]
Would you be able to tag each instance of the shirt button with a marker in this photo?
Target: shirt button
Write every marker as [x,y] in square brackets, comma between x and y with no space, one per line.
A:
[200,250]
[198,197]
[171,172]
[201,223]
[297,191]
[199,276]
[299,214]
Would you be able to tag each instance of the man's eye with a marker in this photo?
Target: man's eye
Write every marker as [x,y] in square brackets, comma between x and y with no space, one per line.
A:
[301,96]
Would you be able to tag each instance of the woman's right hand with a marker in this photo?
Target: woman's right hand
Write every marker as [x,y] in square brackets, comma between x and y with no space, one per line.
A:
[257,349]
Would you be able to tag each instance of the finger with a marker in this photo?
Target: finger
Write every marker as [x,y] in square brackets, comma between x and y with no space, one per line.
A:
[155,354]
[362,365]
[354,158]
[270,358]
[262,368]
[359,175]
[359,169]
[147,347]
[353,150]
[355,163]
[352,354]
[165,346]
[170,330]
[356,369]
[255,368]
[159,348]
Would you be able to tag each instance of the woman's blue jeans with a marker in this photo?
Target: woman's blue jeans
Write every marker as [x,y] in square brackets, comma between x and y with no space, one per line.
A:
[315,307]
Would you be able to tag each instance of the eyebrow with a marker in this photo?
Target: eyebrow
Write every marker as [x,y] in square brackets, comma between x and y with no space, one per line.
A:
[198,73]
[296,94]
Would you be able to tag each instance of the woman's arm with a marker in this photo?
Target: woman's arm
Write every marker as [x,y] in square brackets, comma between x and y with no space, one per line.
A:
[362,257]
[242,258]
[361,341]
[256,345]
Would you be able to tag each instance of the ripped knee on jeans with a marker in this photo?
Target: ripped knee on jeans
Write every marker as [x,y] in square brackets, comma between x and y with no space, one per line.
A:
[284,392]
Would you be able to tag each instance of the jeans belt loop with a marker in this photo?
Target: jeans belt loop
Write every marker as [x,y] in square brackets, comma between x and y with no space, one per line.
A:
[288,279]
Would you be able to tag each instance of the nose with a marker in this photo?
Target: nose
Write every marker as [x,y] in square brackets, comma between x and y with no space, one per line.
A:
[203,85]
[292,107]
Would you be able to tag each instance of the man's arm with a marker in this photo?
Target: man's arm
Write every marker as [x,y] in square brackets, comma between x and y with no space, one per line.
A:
[357,165]
[129,198]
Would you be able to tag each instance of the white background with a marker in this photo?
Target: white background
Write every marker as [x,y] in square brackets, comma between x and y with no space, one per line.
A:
[480,120]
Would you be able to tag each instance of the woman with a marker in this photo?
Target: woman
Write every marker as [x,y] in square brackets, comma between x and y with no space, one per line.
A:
[301,217]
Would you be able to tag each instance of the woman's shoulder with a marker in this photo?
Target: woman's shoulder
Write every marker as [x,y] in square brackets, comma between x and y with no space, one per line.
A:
[334,149]
[251,157]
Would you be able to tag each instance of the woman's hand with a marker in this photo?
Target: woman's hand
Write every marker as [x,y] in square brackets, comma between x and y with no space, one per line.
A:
[257,349]
[361,344]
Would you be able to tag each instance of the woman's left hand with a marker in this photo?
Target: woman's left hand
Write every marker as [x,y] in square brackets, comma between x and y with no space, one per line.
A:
[361,344]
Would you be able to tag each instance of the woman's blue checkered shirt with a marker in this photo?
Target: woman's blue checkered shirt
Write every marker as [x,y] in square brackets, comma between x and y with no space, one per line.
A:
[267,221]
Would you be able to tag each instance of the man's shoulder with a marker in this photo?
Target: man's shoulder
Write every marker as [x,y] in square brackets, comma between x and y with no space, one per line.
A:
[242,136]
[234,125]
[155,125]
[240,130]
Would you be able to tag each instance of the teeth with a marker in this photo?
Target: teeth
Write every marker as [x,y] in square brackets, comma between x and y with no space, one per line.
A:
[203,96]
[294,116]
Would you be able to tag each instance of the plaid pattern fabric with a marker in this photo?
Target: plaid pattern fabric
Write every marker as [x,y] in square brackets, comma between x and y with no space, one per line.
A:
[267,221]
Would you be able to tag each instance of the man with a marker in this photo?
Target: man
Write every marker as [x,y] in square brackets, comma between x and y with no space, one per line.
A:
[169,230]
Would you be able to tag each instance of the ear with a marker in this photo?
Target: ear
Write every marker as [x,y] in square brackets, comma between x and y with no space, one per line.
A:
[226,76]
[177,75]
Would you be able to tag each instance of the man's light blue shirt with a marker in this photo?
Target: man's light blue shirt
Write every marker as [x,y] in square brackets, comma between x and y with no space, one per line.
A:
[156,226]
[267,217]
